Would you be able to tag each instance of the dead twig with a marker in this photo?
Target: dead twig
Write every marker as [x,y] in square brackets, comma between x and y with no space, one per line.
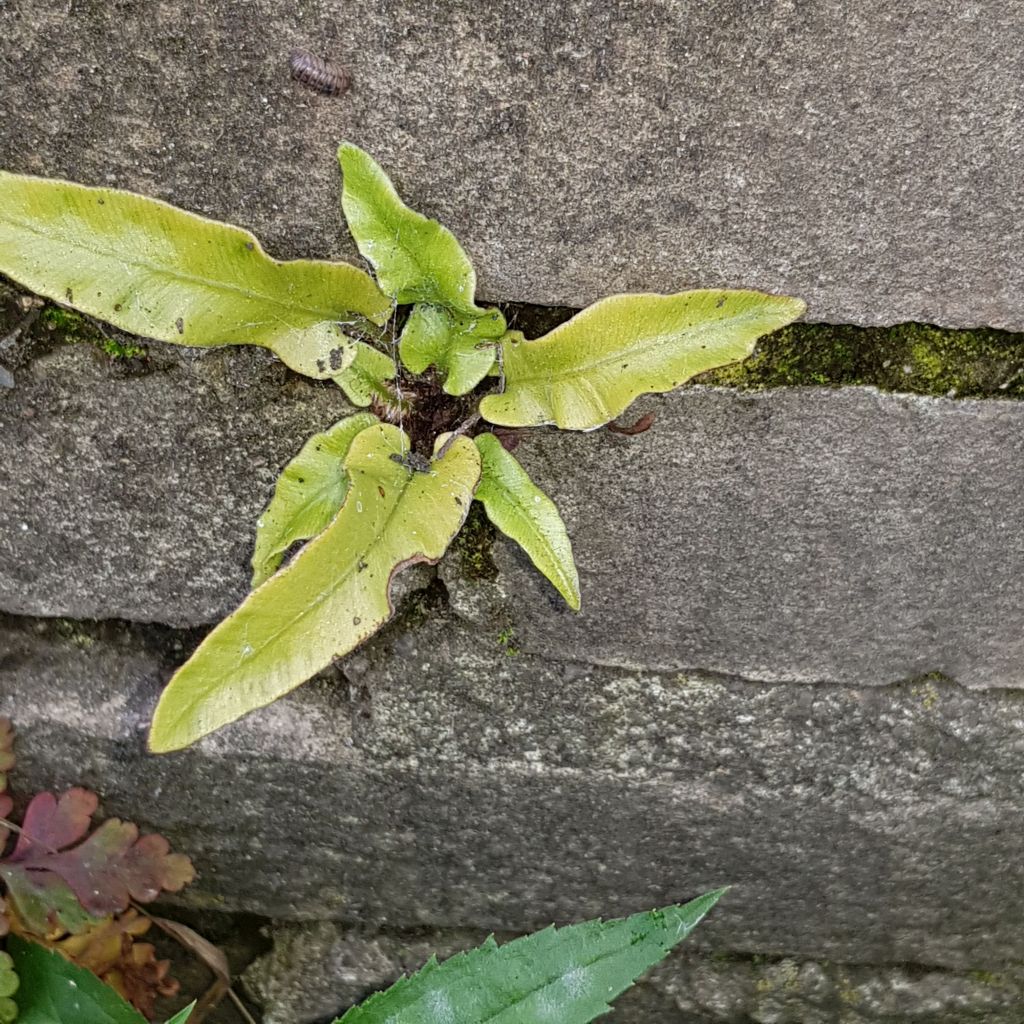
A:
[463,428]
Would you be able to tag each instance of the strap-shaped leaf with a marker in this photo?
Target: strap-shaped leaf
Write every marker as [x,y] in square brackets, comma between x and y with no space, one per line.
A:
[461,347]
[569,975]
[416,258]
[366,378]
[155,270]
[332,596]
[308,494]
[522,511]
[588,370]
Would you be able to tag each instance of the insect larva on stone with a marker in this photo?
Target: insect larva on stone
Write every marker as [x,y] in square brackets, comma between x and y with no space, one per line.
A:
[315,73]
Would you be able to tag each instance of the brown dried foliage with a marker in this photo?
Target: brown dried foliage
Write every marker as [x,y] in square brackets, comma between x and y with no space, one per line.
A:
[70,889]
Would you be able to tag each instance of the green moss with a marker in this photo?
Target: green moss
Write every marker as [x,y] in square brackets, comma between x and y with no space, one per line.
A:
[847,993]
[69,629]
[926,688]
[916,358]
[507,640]
[75,328]
[472,546]
[989,978]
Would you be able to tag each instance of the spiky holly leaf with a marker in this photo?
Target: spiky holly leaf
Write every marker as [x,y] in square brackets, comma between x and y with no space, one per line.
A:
[309,492]
[569,975]
[368,375]
[332,596]
[523,512]
[58,875]
[588,370]
[152,269]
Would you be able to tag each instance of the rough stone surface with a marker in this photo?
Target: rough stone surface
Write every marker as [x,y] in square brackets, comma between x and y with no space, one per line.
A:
[865,156]
[107,507]
[797,534]
[318,970]
[442,783]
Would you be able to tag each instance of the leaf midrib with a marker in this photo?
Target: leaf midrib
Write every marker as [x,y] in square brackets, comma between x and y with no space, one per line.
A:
[327,594]
[175,275]
[553,981]
[645,344]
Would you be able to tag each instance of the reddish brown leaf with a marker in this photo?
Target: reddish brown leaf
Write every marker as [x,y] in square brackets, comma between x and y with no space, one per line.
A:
[69,890]
[101,873]
[51,824]
[114,865]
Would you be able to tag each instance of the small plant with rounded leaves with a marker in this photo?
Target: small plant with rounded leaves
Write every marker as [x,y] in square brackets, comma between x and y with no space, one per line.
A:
[435,371]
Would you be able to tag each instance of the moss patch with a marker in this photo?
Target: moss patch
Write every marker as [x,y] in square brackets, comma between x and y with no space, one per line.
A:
[507,642]
[915,358]
[75,328]
[472,546]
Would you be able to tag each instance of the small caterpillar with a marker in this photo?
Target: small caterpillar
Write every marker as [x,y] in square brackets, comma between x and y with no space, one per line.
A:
[316,74]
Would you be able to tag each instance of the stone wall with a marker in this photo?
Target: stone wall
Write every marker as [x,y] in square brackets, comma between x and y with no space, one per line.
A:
[797,665]
[865,156]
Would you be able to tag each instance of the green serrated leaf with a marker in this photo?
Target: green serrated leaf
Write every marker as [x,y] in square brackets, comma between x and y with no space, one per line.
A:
[55,991]
[368,375]
[183,1015]
[569,975]
[522,511]
[154,270]
[332,596]
[588,370]
[416,258]
[462,348]
[308,494]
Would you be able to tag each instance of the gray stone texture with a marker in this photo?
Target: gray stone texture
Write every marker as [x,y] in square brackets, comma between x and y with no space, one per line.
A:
[793,535]
[797,669]
[315,971]
[867,156]
[436,781]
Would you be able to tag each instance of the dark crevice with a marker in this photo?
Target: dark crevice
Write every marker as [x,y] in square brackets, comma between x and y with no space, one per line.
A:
[909,358]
